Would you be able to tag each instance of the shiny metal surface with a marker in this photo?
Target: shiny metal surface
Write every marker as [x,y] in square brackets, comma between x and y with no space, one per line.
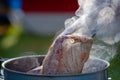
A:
[11,74]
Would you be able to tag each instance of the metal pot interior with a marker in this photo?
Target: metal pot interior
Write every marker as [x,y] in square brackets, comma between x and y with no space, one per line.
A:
[26,63]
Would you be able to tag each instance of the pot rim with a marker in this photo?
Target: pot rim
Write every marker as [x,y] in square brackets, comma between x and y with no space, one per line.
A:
[51,75]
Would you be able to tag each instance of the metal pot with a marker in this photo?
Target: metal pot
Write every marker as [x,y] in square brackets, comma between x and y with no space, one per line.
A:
[16,68]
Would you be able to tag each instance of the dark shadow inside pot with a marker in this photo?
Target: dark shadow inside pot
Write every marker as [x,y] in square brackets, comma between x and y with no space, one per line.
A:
[24,64]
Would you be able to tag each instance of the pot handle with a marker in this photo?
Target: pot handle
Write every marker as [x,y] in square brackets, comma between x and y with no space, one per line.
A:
[1,72]
[1,76]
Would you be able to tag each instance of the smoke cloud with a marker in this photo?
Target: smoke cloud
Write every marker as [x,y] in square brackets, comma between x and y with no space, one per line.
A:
[96,18]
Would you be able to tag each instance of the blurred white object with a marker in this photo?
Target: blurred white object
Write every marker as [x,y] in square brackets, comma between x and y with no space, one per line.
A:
[16,17]
[109,78]
[16,14]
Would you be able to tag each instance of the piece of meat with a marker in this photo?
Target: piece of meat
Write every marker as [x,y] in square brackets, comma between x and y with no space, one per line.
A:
[67,55]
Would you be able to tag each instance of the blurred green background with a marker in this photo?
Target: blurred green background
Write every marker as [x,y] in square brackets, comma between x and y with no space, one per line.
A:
[28,44]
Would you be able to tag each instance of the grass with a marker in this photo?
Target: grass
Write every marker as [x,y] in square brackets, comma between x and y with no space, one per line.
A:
[29,44]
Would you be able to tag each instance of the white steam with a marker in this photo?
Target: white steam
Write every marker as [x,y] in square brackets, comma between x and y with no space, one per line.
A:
[96,18]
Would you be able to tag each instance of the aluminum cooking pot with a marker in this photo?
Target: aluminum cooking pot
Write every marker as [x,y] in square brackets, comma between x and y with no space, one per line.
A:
[16,68]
